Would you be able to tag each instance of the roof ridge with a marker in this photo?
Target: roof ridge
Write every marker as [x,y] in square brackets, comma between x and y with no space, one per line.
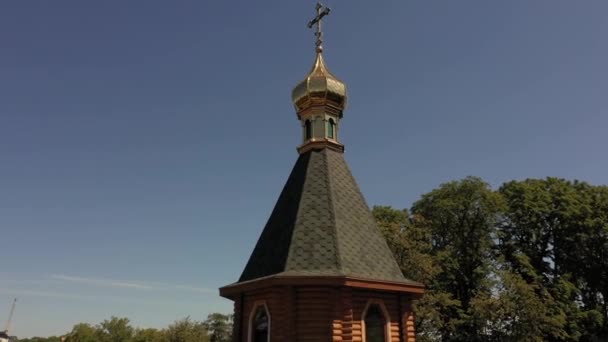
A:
[334,217]
[298,218]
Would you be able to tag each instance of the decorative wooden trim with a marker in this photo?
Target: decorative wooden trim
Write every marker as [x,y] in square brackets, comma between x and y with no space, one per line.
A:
[385,286]
[387,319]
[410,324]
[320,143]
[237,328]
[400,303]
[256,305]
[291,312]
[337,316]
[233,290]
[327,108]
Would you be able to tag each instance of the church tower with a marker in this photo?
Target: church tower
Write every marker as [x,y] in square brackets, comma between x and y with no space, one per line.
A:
[321,270]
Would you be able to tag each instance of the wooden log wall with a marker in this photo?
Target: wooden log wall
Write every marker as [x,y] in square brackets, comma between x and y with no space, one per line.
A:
[314,311]
[314,314]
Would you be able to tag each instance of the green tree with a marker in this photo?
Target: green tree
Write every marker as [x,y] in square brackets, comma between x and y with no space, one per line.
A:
[41,339]
[461,218]
[409,240]
[219,327]
[115,330]
[148,335]
[554,235]
[186,330]
[518,311]
[83,332]
[447,243]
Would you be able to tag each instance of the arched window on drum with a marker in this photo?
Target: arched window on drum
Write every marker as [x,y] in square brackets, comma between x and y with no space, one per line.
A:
[331,129]
[307,130]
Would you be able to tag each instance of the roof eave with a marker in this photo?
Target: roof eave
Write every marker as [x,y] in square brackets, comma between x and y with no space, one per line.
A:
[413,288]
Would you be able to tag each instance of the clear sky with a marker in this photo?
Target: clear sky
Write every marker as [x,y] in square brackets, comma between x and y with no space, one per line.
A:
[143,143]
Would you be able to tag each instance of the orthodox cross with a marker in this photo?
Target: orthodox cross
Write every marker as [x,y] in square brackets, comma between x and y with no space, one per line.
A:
[321,12]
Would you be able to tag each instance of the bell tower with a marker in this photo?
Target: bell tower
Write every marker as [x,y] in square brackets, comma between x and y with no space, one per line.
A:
[321,270]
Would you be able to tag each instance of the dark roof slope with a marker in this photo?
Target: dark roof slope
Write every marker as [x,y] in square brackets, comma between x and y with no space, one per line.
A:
[320,226]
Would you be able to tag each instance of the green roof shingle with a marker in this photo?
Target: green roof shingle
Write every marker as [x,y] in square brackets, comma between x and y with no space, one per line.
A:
[321,226]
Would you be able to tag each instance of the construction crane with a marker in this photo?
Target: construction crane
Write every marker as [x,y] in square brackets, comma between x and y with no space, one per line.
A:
[4,336]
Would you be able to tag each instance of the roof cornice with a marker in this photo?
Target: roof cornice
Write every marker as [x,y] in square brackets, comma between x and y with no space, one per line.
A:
[233,290]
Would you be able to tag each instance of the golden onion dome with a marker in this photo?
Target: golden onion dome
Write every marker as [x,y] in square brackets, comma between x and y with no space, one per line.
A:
[320,88]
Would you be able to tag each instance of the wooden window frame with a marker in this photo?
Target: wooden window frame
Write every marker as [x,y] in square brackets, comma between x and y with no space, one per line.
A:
[256,305]
[387,319]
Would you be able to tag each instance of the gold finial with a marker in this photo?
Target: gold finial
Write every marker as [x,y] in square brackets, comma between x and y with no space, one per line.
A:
[321,12]
[320,88]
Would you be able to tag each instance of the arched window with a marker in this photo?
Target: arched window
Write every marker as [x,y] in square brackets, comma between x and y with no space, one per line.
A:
[307,130]
[331,127]
[375,324]
[259,330]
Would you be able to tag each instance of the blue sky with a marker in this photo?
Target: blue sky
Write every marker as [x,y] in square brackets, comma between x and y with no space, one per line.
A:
[143,143]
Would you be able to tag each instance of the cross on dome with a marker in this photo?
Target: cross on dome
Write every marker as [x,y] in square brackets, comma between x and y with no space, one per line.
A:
[322,11]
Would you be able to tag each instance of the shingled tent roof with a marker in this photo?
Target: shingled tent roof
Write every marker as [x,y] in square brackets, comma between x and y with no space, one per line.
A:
[321,226]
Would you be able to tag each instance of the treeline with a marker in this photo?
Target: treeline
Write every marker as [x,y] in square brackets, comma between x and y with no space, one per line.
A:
[526,262]
[216,328]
